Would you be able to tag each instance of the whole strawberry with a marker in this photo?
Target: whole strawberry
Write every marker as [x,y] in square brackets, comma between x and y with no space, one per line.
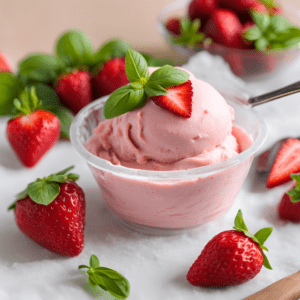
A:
[51,212]
[34,131]
[110,77]
[173,25]
[75,89]
[202,9]
[289,207]
[232,257]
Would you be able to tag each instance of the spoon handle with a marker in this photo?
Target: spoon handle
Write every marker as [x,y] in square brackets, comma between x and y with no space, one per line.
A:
[285,91]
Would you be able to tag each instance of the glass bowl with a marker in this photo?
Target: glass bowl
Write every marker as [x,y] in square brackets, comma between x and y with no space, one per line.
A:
[244,63]
[159,201]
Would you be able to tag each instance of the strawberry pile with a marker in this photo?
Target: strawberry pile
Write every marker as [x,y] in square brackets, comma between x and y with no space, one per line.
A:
[241,24]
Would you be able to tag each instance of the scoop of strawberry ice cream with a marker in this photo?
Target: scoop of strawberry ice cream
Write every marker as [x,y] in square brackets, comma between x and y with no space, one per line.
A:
[154,138]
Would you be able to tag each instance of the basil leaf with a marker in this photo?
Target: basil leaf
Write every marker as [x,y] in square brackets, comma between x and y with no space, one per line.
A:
[113,281]
[40,68]
[22,195]
[43,192]
[47,95]
[10,88]
[75,49]
[168,76]
[252,34]
[153,89]
[94,261]
[157,62]
[262,20]
[136,66]
[111,49]
[92,283]
[122,101]
[65,117]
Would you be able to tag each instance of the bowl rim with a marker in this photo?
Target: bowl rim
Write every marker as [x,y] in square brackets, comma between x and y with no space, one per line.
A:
[140,174]
[217,47]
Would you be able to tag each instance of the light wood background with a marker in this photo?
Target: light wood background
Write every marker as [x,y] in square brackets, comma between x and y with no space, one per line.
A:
[34,25]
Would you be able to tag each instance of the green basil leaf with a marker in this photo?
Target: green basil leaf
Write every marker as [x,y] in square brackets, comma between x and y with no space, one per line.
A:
[122,101]
[47,95]
[113,281]
[153,89]
[22,195]
[280,23]
[263,234]
[75,49]
[157,62]
[252,34]
[43,192]
[168,76]
[113,48]
[57,178]
[10,88]
[136,67]
[94,261]
[261,44]
[40,68]
[262,20]
[83,267]
[65,117]
[92,283]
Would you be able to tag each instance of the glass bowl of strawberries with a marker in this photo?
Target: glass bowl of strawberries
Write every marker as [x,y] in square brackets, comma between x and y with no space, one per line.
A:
[254,37]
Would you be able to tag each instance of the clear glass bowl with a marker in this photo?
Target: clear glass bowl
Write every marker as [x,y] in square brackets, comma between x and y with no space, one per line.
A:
[244,63]
[168,201]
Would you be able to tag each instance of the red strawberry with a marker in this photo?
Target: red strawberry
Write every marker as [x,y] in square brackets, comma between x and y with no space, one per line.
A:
[4,63]
[178,100]
[75,90]
[257,6]
[289,207]
[51,212]
[286,162]
[202,9]
[111,76]
[32,133]
[237,5]
[232,257]
[225,28]
[173,25]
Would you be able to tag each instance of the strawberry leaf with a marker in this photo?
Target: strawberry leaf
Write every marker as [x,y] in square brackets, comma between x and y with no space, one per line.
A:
[136,67]
[43,192]
[262,20]
[252,33]
[157,62]
[10,88]
[65,171]
[75,49]
[239,221]
[266,262]
[263,234]
[295,192]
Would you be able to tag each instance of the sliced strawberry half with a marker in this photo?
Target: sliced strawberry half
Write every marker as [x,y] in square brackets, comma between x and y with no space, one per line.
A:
[178,100]
[4,63]
[286,162]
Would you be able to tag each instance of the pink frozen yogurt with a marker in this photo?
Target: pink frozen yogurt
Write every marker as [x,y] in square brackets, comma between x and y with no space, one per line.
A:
[152,138]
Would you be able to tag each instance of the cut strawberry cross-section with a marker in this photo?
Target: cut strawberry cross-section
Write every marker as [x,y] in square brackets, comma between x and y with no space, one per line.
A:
[178,100]
[286,162]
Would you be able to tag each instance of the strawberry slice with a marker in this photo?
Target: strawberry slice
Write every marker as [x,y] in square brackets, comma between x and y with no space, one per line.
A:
[286,162]
[178,100]
[4,63]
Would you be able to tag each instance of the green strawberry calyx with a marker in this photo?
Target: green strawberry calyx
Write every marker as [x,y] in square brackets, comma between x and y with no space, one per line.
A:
[259,237]
[272,32]
[294,193]
[45,190]
[107,279]
[190,34]
[142,85]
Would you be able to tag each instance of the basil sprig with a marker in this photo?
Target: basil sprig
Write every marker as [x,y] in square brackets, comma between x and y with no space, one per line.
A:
[272,32]
[142,85]
[107,279]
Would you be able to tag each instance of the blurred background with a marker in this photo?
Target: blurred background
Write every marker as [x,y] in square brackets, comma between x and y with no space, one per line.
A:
[35,25]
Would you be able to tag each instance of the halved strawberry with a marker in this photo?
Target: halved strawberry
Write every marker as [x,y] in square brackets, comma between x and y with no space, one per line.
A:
[4,63]
[178,100]
[286,162]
